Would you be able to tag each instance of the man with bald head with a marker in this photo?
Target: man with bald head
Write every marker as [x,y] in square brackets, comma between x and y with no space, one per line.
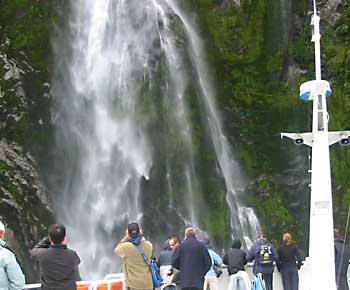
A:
[193,260]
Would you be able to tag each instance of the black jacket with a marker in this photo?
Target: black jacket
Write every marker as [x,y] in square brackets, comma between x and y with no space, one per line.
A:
[58,266]
[235,259]
[289,256]
[193,260]
[165,258]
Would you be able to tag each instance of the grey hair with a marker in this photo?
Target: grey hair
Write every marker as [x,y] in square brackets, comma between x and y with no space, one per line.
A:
[190,232]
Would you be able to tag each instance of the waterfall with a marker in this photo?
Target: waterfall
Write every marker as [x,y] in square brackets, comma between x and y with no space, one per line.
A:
[129,79]
[244,223]
[285,22]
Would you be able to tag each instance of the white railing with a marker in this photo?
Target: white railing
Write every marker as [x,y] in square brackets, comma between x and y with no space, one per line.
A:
[108,281]
[304,277]
[223,280]
[32,286]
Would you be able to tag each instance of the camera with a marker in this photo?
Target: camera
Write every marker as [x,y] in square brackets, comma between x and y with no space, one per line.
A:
[344,141]
[299,141]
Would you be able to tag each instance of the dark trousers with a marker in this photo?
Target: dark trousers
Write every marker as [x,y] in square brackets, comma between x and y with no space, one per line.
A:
[342,283]
[290,278]
[268,281]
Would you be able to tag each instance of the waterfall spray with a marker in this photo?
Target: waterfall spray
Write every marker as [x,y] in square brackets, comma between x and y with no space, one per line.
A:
[123,119]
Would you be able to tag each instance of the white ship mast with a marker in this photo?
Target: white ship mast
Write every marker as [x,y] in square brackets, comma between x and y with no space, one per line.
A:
[321,243]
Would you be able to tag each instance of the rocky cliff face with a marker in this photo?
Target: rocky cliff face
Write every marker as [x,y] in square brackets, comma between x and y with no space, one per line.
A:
[24,206]
[257,75]
[24,128]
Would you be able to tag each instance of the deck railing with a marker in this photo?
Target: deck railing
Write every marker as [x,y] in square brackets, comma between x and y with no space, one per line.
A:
[107,282]
[110,282]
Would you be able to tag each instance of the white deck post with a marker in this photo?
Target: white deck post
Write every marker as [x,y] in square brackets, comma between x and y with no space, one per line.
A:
[320,263]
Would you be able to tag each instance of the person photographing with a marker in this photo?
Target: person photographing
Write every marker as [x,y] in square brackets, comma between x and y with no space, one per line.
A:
[58,264]
[136,271]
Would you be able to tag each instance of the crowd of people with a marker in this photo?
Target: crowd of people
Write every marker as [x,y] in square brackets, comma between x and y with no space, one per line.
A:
[191,264]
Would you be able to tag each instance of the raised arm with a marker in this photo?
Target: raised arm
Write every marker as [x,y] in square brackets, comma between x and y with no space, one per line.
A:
[40,248]
[119,249]
[251,254]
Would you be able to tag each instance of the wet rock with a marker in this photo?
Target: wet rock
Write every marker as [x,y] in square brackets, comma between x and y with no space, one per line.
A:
[330,10]
[229,3]
[294,72]
[24,205]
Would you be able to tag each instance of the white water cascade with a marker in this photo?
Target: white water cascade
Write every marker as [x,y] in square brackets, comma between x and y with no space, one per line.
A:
[243,220]
[286,7]
[127,74]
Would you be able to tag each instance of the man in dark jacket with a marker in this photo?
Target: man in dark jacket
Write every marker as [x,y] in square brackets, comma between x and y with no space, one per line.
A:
[164,263]
[341,255]
[235,259]
[58,264]
[174,243]
[264,254]
[193,260]
[165,255]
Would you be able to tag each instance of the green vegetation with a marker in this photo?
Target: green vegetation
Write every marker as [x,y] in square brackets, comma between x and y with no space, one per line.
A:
[28,25]
[251,64]
[25,61]
[25,32]
[251,52]
[251,57]
[336,46]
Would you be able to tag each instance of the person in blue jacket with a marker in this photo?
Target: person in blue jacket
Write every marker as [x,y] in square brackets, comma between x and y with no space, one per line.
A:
[210,279]
[11,275]
[264,255]
[193,260]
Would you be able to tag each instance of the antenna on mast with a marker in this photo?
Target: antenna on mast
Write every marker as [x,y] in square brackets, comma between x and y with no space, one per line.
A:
[315,11]
[321,251]
[316,37]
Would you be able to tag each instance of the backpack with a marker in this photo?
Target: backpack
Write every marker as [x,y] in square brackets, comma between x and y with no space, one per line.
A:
[265,255]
